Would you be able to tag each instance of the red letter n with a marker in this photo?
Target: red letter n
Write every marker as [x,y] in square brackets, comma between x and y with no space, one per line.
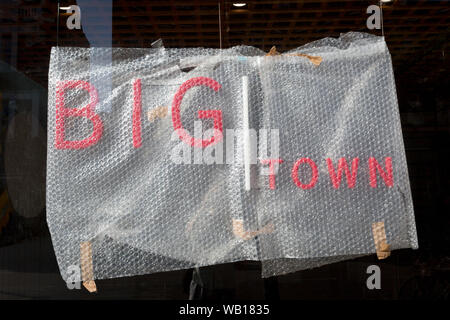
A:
[342,165]
[87,112]
[374,166]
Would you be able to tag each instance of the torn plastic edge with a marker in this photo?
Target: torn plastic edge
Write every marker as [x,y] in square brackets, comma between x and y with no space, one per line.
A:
[157,43]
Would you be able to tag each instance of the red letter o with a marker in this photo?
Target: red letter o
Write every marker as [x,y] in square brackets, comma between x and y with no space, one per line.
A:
[315,173]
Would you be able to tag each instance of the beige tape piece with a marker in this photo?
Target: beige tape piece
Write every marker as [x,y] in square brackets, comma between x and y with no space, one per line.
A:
[379,237]
[158,112]
[238,230]
[314,59]
[87,269]
[273,52]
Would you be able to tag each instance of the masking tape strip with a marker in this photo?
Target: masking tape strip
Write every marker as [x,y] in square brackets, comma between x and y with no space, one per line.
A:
[238,230]
[87,269]
[379,237]
[314,59]
[158,112]
[273,52]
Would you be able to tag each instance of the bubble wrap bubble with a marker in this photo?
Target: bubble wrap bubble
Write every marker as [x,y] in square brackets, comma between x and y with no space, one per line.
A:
[144,213]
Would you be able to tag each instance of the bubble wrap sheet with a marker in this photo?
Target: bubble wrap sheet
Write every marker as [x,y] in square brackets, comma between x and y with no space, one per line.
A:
[143,212]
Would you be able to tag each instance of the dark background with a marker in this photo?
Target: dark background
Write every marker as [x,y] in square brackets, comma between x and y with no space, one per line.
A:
[417,35]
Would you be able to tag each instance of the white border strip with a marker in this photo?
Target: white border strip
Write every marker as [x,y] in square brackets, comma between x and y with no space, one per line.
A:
[246,132]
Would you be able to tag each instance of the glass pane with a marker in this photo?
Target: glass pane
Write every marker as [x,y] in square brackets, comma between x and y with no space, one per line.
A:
[416,34]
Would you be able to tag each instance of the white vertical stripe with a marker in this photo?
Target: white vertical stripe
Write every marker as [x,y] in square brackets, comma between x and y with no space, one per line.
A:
[246,132]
